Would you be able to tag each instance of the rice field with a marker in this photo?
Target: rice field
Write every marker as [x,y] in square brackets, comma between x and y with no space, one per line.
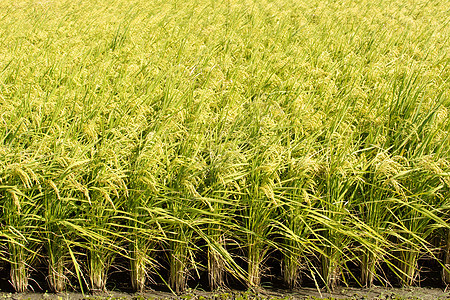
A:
[226,140]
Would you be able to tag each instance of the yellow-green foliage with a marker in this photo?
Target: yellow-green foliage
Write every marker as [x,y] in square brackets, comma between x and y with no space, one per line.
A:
[221,129]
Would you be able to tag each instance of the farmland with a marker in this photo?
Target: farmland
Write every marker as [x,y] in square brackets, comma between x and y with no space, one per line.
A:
[234,141]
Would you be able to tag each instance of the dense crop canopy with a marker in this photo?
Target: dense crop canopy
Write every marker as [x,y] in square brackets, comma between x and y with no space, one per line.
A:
[212,137]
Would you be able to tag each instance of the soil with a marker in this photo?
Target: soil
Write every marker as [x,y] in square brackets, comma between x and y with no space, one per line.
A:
[303,293]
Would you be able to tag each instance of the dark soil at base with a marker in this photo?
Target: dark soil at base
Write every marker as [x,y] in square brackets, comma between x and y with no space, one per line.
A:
[303,293]
[119,287]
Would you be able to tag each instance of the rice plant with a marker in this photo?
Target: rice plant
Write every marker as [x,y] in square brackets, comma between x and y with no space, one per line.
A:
[21,222]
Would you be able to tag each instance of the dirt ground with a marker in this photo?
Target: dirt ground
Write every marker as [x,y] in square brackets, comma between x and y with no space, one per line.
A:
[304,293]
